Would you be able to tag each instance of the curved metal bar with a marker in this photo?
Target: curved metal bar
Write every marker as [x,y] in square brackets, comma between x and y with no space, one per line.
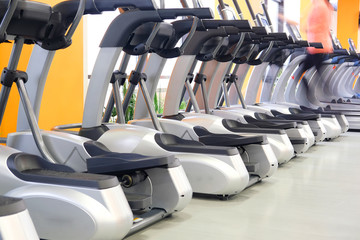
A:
[238,45]
[190,35]
[77,19]
[119,108]
[33,122]
[152,35]
[266,53]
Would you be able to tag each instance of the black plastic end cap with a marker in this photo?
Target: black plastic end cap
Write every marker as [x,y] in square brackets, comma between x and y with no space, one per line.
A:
[55,44]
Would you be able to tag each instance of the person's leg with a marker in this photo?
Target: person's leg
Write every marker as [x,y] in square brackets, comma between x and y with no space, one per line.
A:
[308,62]
[304,66]
[318,63]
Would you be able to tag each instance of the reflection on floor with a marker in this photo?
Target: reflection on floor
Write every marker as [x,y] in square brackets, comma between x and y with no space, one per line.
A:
[315,196]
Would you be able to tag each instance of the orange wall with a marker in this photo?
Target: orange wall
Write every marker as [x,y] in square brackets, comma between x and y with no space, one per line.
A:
[63,94]
[347,21]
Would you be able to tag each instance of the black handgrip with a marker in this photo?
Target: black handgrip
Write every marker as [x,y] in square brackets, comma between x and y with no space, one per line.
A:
[205,57]
[201,37]
[232,30]
[240,24]
[254,62]
[259,30]
[275,37]
[122,26]
[111,5]
[169,53]
[292,46]
[233,41]
[302,43]
[254,37]
[278,36]
[289,41]
[316,45]
[141,49]
[341,52]
[353,53]
[224,58]
[240,60]
[69,8]
[172,13]
[283,44]
[181,28]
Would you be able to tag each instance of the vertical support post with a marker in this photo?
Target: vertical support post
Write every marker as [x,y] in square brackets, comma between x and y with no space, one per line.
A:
[32,121]
[226,95]
[131,89]
[13,63]
[192,98]
[116,95]
[150,106]
[111,101]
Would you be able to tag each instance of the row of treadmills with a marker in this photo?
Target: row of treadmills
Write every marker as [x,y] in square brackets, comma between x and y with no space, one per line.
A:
[109,180]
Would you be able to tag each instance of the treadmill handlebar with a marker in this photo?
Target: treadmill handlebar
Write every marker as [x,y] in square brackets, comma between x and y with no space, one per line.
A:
[277,36]
[122,26]
[201,37]
[240,24]
[181,27]
[316,45]
[120,29]
[172,13]
[216,28]
[97,6]
[259,30]
[302,43]
[69,12]
[342,51]
[230,30]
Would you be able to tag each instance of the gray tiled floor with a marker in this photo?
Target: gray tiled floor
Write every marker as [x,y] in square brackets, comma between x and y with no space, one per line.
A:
[315,196]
